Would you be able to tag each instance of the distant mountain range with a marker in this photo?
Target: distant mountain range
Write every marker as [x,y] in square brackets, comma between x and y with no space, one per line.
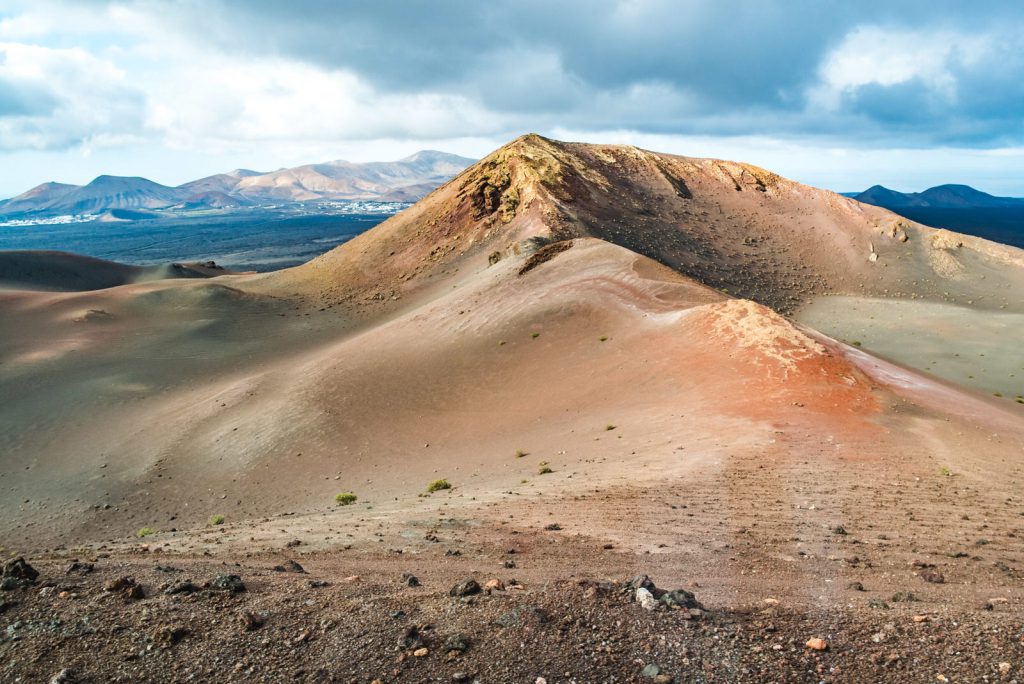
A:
[956,207]
[125,197]
[940,197]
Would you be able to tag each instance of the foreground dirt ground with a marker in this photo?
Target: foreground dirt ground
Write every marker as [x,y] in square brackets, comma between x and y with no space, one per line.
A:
[918,591]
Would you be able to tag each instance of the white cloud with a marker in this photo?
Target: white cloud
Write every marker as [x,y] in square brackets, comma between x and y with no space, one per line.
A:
[873,55]
[67,96]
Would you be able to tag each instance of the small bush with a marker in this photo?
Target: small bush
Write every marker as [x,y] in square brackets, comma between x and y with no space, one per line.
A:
[438,485]
[535,335]
[345,498]
[856,343]
[145,532]
[216,520]
[609,427]
[602,338]
[520,453]
[544,470]
[944,470]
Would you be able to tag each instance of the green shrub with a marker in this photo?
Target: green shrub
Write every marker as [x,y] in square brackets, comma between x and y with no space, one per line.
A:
[602,338]
[145,532]
[544,470]
[609,427]
[216,520]
[535,335]
[345,498]
[520,453]
[438,485]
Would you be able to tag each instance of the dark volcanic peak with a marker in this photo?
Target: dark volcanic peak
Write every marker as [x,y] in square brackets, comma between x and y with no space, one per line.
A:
[947,196]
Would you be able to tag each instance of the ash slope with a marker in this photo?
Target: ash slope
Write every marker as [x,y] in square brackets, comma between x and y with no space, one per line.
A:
[519,307]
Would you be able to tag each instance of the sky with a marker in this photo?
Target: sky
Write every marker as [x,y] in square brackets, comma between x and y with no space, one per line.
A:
[837,94]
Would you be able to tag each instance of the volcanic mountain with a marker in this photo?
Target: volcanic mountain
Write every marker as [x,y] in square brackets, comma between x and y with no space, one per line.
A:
[588,352]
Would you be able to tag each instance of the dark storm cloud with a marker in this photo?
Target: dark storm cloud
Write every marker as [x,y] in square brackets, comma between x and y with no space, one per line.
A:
[683,66]
[793,68]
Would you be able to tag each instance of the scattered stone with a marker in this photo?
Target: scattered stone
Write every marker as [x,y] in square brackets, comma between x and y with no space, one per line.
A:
[1004,668]
[410,580]
[509,564]
[352,579]
[127,587]
[921,618]
[65,676]
[771,601]
[931,575]
[169,635]
[651,671]
[460,676]
[421,652]
[252,621]
[317,584]
[289,566]
[229,583]
[856,586]
[466,587]
[817,644]
[494,585]
[553,527]
[77,568]
[646,599]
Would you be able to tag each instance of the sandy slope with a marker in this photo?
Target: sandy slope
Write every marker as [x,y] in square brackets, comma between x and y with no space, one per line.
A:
[522,308]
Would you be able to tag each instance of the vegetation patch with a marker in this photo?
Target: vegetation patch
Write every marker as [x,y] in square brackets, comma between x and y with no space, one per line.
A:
[345,498]
[438,485]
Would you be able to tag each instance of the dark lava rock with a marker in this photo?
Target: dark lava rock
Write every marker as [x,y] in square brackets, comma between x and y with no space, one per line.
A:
[229,583]
[466,587]
[457,642]
[410,580]
[77,568]
[411,638]
[317,584]
[17,573]
[289,566]
[553,527]
[65,676]
[184,587]
[680,598]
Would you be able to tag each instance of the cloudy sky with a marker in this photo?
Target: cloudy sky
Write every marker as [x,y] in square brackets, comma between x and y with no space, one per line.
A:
[838,94]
